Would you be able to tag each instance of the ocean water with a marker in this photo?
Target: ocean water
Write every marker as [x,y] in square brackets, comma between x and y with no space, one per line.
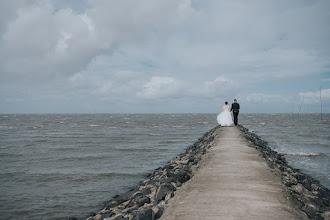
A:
[304,140]
[57,165]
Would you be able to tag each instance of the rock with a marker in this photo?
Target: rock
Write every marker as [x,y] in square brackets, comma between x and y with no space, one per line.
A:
[142,200]
[326,215]
[97,217]
[120,217]
[111,204]
[119,199]
[107,214]
[311,211]
[132,209]
[143,215]
[183,176]
[145,191]
[289,181]
[92,214]
[159,212]
[162,191]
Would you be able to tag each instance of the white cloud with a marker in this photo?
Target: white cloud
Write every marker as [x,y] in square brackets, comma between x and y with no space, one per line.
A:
[314,97]
[198,51]
[221,86]
[42,40]
[161,87]
[260,98]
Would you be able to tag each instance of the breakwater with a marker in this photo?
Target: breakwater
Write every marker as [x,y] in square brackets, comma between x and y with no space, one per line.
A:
[147,200]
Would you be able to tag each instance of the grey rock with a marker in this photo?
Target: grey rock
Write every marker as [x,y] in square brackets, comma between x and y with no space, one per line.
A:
[159,213]
[107,214]
[163,190]
[146,191]
[143,215]
[120,217]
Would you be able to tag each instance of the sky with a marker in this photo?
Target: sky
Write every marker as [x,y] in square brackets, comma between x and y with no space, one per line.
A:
[164,56]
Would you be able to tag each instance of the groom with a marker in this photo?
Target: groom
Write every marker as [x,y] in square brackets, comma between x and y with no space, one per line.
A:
[235,109]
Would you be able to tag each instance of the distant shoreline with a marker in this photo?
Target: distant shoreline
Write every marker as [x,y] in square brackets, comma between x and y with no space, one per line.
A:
[241,113]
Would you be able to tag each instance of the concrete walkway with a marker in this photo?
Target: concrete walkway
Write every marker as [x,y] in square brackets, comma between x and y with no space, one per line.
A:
[233,182]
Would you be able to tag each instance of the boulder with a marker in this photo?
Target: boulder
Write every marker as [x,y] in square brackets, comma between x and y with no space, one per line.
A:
[143,215]
[162,191]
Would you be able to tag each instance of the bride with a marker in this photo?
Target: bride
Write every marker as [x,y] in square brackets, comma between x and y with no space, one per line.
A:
[224,118]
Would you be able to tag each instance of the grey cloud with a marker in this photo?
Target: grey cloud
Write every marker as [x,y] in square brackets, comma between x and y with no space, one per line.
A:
[147,51]
[42,40]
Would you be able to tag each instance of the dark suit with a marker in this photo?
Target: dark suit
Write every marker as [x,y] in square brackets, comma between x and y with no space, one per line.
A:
[235,109]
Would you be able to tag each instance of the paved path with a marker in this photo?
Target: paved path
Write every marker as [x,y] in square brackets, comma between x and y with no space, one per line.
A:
[233,182]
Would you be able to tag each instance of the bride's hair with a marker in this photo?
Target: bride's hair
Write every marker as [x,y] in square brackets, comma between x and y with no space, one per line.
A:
[226,103]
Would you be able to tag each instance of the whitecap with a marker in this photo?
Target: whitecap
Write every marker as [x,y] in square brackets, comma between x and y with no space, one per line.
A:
[91,125]
[154,134]
[303,154]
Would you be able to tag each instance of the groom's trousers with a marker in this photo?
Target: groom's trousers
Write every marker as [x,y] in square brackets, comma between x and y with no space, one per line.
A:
[235,117]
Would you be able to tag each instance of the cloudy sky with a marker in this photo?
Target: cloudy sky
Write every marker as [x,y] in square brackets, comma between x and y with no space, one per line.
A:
[164,56]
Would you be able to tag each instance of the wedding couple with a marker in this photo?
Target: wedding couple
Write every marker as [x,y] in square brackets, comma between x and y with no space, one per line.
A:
[224,118]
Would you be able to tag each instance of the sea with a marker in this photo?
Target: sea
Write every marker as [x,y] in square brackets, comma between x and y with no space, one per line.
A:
[53,166]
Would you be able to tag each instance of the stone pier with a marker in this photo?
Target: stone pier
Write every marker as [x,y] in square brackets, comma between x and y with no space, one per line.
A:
[233,182]
[229,173]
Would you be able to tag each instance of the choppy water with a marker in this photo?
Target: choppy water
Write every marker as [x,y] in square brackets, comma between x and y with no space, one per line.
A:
[55,166]
[304,139]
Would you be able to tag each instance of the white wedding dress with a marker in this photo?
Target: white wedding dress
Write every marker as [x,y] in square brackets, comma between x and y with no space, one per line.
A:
[224,118]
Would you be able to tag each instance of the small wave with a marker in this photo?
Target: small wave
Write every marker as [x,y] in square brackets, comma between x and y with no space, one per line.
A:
[303,154]
[79,177]
[91,125]
[7,127]
[35,127]
[154,134]
[84,158]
